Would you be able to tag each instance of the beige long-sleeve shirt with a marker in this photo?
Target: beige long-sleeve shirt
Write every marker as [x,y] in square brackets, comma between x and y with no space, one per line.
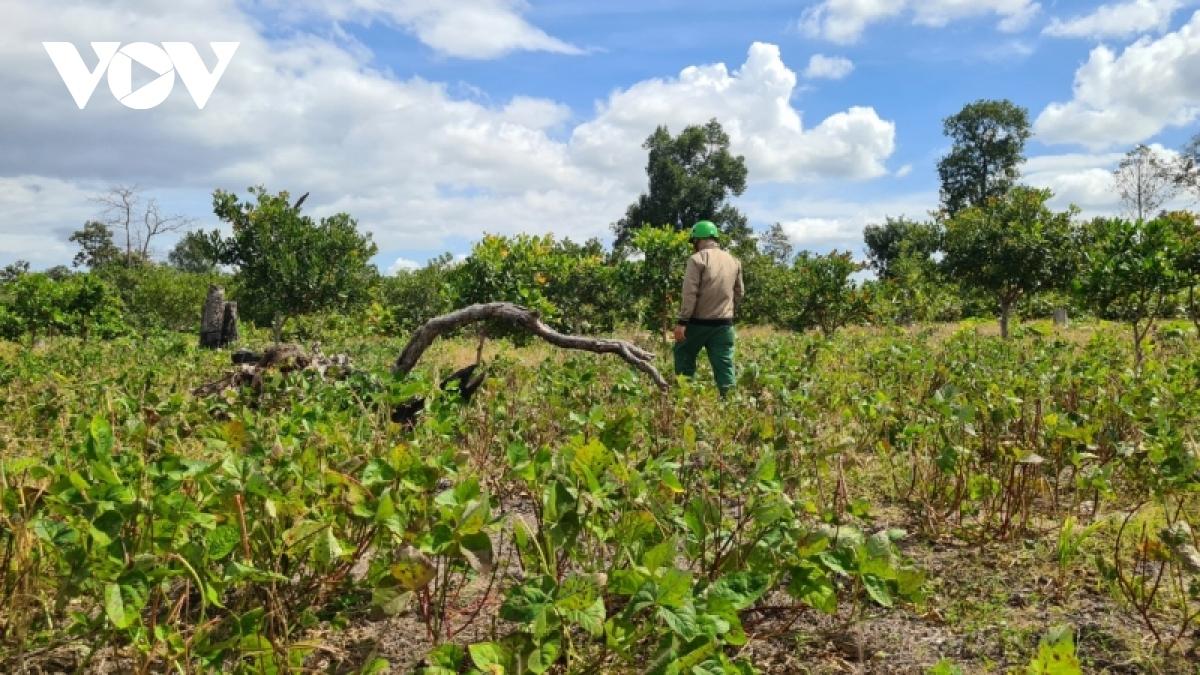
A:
[712,286]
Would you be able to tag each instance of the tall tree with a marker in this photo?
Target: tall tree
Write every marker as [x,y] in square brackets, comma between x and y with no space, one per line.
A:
[1146,180]
[197,251]
[136,221]
[692,176]
[897,238]
[989,146]
[96,247]
[776,245]
[1187,169]
[1011,248]
[13,271]
[287,263]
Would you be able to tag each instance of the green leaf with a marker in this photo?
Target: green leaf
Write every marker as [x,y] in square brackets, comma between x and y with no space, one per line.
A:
[101,435]
[737,591]
[447,655]
[878,590]
[491,657]
[544,655]
[329,548]
[114,607]
[1056,654]
[221,541]
[659,556]
[413,569]
[812,586]
[681,621]
[944,667]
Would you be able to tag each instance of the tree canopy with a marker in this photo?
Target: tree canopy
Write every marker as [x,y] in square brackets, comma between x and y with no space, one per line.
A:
[692,176]
[287,263]
[989,146]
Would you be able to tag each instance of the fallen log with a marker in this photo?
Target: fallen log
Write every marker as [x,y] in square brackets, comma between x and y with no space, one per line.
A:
[285,358]
[524,318]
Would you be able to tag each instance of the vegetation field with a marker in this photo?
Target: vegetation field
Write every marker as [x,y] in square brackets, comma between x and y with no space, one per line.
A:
[889,500]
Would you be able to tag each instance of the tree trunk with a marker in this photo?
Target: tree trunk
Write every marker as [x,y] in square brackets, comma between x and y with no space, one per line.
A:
[1137,347]
[229,324]
[1060,318]
[1193,308]
[1005,309]
[212,318]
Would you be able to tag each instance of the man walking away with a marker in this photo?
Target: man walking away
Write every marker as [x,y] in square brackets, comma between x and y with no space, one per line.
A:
[712,290]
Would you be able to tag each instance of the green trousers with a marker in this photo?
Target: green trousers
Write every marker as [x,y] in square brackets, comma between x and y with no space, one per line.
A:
[718,342]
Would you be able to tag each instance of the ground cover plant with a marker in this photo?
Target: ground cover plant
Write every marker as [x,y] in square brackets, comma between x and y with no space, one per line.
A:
[930,499]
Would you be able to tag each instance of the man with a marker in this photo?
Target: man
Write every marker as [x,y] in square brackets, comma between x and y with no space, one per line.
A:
[712,290]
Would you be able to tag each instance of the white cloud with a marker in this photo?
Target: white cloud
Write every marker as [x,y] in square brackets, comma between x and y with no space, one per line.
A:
[1127,98]
[753,104]
[822,224]
[403,265]
[417,166]
[39,215]
[1118,20]
[828,67]
[904,171]
[843,21]
[471,29]
[1085,180]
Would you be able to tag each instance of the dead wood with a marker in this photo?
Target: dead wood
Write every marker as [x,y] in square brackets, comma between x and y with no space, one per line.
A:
[524,318]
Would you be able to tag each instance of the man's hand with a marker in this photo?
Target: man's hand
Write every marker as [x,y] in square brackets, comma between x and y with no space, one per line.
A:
[680,332]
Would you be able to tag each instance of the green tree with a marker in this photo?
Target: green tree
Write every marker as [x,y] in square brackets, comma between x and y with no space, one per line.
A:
[409,298]
[897,238]
[197,252]
[1189,262]
[825,293]
[1012,247]
[989,146]
[288,264]
[915,289]
[658,277]
[81,305]
[1131,268]
[13,271]
[692,176]
[96,247]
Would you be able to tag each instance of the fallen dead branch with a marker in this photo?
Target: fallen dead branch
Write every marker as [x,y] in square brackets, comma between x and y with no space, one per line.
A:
[527,319]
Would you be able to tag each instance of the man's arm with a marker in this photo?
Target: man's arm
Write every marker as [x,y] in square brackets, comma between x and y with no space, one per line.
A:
[739,290]
[691,290]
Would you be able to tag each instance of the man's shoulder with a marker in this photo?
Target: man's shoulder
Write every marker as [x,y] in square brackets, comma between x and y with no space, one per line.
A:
[718,253]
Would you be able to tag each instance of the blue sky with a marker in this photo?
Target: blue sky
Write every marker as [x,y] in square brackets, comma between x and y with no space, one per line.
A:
[433,122]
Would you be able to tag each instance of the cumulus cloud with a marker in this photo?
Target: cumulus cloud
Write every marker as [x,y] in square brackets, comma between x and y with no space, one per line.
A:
[844,21]
[1129,97]
[415,164]
[828,67]
[1086,180]
[470,29]
[1118,20]
[821,223]
[753,104]
[403,265]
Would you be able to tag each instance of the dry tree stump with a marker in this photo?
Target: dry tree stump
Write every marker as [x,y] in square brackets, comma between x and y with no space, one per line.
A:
[218,320]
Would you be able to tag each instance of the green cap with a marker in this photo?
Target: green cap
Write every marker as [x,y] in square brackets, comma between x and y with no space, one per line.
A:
[705,230]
